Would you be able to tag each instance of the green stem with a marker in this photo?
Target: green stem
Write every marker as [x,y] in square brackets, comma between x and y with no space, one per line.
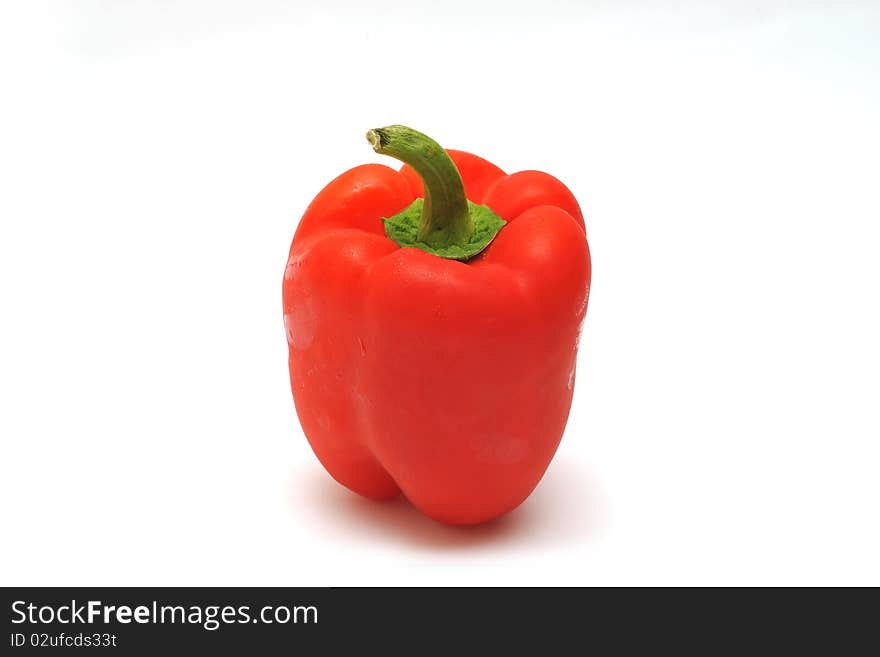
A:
[445,218]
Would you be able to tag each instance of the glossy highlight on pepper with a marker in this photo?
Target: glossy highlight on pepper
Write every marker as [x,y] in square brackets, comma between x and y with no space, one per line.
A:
[433,316]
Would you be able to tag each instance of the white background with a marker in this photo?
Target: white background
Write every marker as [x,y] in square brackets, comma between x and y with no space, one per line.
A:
[155,158]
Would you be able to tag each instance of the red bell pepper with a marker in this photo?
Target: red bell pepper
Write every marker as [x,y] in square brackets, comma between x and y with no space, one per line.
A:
[421,359]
